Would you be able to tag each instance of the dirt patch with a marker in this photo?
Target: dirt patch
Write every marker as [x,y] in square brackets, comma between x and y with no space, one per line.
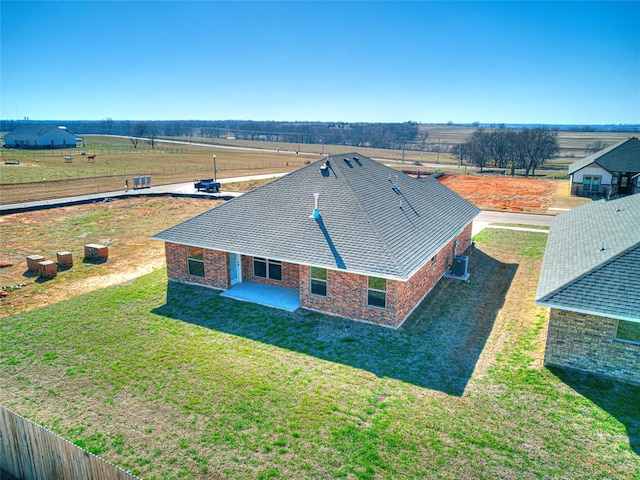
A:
[503,193]
[125,226]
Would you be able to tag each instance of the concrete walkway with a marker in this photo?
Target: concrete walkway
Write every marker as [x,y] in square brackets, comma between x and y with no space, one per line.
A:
[267,295]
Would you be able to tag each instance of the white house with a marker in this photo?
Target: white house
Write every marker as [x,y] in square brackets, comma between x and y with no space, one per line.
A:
[608,172]
[39,136]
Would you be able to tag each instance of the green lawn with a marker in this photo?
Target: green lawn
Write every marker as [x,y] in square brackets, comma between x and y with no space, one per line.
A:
[179,382]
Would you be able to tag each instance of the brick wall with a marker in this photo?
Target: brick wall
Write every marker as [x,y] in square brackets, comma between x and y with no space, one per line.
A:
[411,293]
[216,267]
[346,297]
[587,342]
[290,274]
[347,293]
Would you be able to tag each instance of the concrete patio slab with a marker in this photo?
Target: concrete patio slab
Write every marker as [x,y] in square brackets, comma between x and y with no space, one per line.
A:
[267,295]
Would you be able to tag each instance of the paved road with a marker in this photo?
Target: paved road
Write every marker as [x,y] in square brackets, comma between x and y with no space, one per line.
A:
[512,217]
[485,218]
[174,188]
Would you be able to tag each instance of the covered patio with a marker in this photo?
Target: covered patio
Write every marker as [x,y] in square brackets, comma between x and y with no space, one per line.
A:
[267,295]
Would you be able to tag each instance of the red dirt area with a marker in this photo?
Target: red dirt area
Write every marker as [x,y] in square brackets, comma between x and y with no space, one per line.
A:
[503,193]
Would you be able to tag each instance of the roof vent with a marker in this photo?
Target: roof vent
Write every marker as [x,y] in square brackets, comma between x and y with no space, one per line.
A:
[395,184]
[316,210]
[602,246]
[617,207]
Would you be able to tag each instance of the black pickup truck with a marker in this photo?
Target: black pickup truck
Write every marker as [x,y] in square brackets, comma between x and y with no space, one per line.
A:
[207,184]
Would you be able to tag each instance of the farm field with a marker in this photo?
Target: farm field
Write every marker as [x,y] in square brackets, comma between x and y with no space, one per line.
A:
[43,174]
[573,145]
[180,383]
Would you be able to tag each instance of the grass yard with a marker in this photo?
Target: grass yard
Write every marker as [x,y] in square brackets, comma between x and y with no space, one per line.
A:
[180,383]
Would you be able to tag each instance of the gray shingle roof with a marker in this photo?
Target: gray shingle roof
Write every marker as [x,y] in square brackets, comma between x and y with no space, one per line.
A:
[365,226]
[622,157]
[32,130]
[578,275]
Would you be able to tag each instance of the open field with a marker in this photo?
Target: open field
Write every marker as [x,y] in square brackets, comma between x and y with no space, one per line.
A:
[573,145]
[575,142]
[124,225]
[182,383]
[44,174]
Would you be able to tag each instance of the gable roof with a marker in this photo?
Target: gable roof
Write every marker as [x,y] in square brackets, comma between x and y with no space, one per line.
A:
[578,275]
[621,157]
[365,225]
[34,131]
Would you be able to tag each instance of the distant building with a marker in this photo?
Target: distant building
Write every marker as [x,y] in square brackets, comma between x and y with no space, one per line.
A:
[590,281]
[609,172]
[39,136]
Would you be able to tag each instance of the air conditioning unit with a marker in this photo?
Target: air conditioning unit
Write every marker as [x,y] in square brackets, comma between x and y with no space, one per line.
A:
[460,264]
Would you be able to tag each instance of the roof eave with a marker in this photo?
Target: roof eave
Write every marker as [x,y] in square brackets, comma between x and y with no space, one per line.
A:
[627,318]
[289,260]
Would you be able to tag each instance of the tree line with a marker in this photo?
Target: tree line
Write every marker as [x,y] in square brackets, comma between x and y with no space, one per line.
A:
[510,149]
[523,149]
[378,135]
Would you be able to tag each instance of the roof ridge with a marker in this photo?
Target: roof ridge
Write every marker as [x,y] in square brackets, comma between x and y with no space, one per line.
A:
[608,150]
[374,225]
[597,156]
[593,269]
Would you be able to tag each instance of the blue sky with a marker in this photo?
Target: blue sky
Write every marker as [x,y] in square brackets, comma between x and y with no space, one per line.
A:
[495,62]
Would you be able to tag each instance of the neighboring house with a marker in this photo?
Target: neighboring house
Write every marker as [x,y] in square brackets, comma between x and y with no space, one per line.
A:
[608,172]
[39,136]
[369,248]
[590,280]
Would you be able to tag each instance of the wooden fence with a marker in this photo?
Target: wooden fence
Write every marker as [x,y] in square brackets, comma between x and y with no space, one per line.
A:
[30,452]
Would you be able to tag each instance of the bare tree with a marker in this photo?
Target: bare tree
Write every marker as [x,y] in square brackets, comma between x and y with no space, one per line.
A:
[539,144]
[138,130]
[153,133]
[499,147]
[596,146]
[478,148]
[107,125]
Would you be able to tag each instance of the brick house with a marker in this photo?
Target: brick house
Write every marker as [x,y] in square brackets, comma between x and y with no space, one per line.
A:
[350,236]
[611,171]
[39,136]
[590,281]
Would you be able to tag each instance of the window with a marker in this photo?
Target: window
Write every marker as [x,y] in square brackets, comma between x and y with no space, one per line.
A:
[319,281]
[195,260]
[628,331]
[377,292]
[265,268]
[591,183]
[624,181]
